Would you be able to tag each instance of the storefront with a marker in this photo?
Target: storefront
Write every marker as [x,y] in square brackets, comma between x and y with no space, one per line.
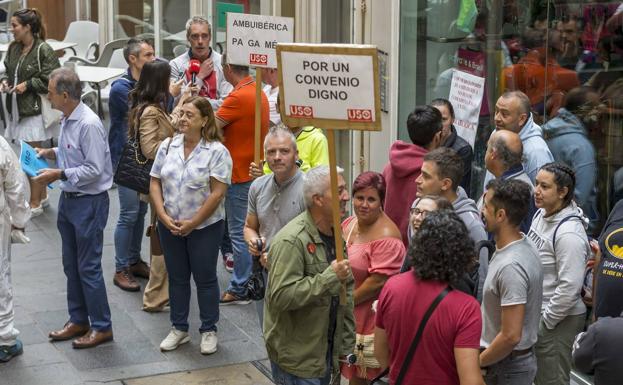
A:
[544,48]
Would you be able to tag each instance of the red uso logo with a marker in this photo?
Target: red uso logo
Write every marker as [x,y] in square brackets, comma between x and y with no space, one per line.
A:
[258,59]
[359,115]
[301,111]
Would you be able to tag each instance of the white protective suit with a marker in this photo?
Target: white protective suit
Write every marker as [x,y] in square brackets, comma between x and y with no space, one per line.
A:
[14,210]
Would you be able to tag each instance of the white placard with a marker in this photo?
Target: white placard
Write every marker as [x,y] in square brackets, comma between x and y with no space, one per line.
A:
[329,86]
[466,93]
[252,39]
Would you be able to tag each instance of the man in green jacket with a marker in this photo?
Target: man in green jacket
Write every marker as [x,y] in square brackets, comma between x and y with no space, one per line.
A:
[306,328]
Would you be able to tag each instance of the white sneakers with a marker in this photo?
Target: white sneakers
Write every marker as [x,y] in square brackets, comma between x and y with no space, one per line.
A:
[208,342]
[174,339]
[177,338]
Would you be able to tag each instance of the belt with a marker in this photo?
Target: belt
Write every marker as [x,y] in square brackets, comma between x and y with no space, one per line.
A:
[72,195]
[519,353]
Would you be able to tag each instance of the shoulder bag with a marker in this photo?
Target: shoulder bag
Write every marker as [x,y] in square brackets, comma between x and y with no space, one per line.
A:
[416,340]
[50,116]
[133,168]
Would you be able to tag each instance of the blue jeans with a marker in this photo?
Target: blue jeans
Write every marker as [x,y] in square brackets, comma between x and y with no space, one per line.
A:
[81,222]
[196,254]
[281,377]
[236,208]
[512,371]
[129,230]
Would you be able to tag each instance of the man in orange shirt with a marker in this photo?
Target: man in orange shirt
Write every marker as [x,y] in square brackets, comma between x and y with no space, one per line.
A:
[236,117]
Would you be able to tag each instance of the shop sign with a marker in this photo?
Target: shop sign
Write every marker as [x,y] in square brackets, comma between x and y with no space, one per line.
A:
[252,39]
[466,93]
[329,86]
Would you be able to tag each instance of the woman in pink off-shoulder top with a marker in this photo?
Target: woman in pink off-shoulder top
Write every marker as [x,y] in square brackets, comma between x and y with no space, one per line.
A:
[376,252]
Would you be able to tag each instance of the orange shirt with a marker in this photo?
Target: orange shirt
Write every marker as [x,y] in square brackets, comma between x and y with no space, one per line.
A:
[238,109]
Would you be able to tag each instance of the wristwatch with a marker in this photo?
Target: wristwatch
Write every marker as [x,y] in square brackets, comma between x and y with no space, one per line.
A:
[63,176]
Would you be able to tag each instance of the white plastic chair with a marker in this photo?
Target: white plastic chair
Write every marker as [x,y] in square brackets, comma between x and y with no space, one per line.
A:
[86,35]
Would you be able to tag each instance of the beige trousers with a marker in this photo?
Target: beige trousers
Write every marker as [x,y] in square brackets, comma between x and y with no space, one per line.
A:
[156,294]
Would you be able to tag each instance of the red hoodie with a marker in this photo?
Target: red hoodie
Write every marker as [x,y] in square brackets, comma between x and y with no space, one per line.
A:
[405,163]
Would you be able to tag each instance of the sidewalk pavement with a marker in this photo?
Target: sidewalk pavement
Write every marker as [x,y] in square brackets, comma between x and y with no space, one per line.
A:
[40,306]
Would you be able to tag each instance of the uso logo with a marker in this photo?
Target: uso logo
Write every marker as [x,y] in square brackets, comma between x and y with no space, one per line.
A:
[258,59]
[301,111]
[359,115]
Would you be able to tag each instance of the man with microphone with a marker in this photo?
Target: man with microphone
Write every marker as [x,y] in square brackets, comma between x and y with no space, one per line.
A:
[200,65]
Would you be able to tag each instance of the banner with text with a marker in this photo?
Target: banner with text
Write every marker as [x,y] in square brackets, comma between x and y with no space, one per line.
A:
[252,39]
[330,86]
[466,94]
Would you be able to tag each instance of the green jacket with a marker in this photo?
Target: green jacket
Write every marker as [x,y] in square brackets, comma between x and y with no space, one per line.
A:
[29,103]
[297,304]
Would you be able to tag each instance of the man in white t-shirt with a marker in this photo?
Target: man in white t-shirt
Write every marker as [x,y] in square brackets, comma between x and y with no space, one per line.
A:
[271,89]
[513,289]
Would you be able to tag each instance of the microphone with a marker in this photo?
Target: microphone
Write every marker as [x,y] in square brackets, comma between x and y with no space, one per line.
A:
[194,66]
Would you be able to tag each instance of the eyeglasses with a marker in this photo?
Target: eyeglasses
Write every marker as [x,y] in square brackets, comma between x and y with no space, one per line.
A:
[197,36]
[417,211]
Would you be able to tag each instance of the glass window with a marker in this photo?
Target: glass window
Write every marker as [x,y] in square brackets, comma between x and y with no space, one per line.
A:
[567,57]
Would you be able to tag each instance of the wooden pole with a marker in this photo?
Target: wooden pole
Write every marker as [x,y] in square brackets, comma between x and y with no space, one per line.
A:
[258,117]
[335,206]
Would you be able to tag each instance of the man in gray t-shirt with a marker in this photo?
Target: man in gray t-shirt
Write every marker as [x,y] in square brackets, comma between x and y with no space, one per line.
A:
[513,289]
[274,199]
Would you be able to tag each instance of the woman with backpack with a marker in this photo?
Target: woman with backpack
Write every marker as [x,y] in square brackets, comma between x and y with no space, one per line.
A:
[558,232]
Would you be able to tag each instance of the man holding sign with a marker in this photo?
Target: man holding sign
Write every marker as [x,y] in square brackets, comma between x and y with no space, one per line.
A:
[304,282]
[236,117]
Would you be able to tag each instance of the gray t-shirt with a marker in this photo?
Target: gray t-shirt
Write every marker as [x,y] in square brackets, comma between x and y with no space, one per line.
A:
[515,278]
[275,205]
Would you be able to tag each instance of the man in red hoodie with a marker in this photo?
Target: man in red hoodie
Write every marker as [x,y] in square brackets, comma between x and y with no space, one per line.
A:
[405,163]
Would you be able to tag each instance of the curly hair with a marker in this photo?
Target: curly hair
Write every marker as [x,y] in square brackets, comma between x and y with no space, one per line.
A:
[442,249]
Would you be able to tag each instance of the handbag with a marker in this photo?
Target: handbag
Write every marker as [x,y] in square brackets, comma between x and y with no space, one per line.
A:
[256,287]
[50,116]
[133,168]
[416,340]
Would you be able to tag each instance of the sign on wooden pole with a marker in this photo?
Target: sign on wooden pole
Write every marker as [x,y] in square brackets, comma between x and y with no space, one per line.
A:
[251,41]
[334,86]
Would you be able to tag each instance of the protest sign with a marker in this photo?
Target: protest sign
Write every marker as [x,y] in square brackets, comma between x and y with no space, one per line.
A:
[329,85]
[252,39]
[466,94]
[332,86]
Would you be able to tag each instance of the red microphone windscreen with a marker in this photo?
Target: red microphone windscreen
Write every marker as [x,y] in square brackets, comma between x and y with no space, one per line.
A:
[194,66]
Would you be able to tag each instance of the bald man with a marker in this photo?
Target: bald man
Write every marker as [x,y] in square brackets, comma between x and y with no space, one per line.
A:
[512,113]
[503,160]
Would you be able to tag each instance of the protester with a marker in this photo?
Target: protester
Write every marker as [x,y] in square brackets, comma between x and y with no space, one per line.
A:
[567,137]
[442,170]
[132,210]
[188,186]
[306,328]
[375,252]
[503,161]
[607,298]
[512,112]
[150,122]
[236,117]
[451,139]
[28,62]
[598,351]
[441,254]
[210,80]
[15,214]
[405,162]
[419,210]
[85,172]
[563,261]
[274,199]
[513,290]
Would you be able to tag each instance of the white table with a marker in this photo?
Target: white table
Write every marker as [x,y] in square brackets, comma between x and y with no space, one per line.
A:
[56,45]
[96,76]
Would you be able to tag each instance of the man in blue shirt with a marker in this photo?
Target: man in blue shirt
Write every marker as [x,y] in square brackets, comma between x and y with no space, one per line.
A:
[85,171]
[129,230]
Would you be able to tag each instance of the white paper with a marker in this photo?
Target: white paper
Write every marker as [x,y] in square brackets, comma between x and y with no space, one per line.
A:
[466,93]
